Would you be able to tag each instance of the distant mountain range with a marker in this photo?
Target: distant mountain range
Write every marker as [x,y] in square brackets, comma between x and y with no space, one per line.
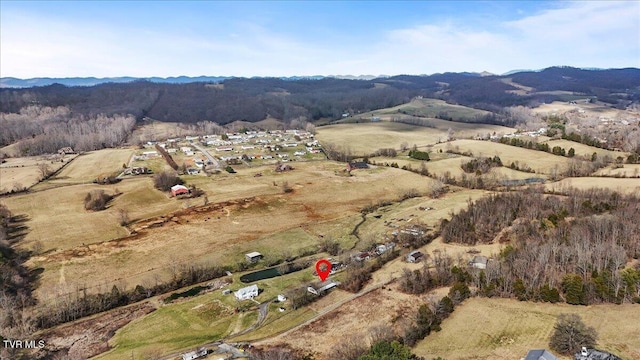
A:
[12,82]
[195,99]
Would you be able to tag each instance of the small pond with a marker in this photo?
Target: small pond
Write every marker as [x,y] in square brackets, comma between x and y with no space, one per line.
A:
[267,273]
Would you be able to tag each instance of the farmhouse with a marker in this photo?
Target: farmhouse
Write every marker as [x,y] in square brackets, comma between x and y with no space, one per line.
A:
[179,190]
[150,154]
[383,248]
[321,290]
[414,256]
[253,256]
[247,293]
[479,262]
[540,354]
[66,150]
[361,256]
[192,355]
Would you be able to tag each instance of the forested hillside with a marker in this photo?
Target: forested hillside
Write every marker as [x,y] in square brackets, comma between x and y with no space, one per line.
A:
[94,117]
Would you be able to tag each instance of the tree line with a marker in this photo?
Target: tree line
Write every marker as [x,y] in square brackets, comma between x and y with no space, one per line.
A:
[17,281]
[39,130]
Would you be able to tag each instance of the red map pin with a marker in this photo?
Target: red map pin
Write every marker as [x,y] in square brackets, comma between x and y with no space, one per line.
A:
[323,268]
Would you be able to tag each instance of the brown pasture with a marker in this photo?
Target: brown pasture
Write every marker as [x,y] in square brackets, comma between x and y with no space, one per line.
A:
[506,329]
[217,236]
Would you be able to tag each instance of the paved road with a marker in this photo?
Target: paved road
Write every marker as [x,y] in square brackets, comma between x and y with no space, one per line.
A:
[213,160]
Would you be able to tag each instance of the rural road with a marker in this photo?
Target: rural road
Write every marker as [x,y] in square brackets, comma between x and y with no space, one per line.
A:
[213,160]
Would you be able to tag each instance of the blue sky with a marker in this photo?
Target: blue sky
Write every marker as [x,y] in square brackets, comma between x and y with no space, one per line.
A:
[165,38]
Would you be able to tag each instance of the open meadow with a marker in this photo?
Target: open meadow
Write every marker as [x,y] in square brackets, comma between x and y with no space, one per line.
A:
[585,150]
[276,223]
[24,172]
[623,185]
[539,161]
[86,167]
[427,108]
[627,170]
[365,138]
[504,329]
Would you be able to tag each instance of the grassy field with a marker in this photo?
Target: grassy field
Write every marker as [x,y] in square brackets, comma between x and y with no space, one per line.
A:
[540,162]
[58,220]
[173,328]
[86,167]
[206,318]
[586,150]
[506,329]
[631,186]
[24,171]
[367,137]
[628,170]
[272,222]
[157,130]
[428,108]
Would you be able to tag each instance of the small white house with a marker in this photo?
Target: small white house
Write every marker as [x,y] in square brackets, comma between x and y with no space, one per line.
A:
[247,293]
[282,298]
[479,262]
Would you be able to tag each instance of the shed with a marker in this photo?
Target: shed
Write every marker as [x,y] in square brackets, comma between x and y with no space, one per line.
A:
[179,190]
[540,354]
[414,256]
[253,256]
[357,165]
[246,293]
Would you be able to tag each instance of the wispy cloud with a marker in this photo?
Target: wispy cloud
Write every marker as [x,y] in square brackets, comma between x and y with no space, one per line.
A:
[600,34]
[578,34]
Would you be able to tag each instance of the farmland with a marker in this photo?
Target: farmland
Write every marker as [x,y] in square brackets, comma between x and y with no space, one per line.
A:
[24,172]
[507,329]
[365,138]
[101,258]
[282,198]
[538,161]
[427,108]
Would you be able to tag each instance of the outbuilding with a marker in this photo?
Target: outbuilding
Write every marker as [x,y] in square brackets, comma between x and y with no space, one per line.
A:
[179,190]
[414,256]
[253,256]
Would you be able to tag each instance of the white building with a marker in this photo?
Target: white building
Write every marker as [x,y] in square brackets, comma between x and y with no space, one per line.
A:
[246,293]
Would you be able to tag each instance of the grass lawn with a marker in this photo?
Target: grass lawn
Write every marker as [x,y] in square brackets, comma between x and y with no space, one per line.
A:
[175,327]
